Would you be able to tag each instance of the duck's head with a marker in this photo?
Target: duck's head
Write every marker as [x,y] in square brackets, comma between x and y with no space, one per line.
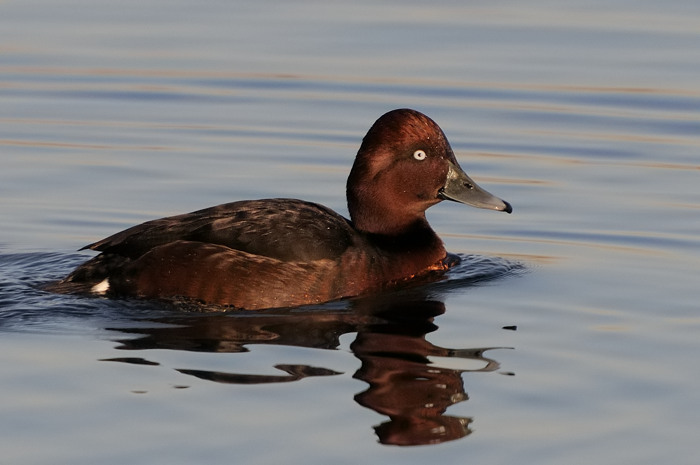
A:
[405,165]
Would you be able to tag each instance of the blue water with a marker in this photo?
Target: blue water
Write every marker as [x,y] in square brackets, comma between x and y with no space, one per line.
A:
[569,333]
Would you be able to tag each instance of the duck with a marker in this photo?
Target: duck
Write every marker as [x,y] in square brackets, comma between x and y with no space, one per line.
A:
[282,252]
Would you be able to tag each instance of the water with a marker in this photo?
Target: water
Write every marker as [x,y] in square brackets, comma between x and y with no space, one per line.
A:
[568,335]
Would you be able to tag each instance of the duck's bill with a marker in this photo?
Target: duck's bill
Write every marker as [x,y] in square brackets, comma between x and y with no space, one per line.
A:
[460,188]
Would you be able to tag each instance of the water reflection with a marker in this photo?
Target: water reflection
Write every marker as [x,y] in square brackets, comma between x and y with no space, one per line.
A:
[404,384]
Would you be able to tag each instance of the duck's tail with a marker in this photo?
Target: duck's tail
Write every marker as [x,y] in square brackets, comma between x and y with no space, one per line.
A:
[92,277]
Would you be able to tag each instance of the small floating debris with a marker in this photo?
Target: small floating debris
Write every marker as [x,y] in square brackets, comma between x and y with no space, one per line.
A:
[132,360]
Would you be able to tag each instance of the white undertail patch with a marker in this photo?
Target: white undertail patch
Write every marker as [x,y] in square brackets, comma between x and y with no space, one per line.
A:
[101,288]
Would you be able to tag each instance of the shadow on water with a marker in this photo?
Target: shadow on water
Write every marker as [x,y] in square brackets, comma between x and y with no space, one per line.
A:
[405,383]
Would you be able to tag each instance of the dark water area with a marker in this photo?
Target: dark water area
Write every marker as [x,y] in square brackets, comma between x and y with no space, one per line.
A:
[567,334]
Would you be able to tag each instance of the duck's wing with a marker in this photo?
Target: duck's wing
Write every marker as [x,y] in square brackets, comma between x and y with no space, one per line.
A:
[285,229]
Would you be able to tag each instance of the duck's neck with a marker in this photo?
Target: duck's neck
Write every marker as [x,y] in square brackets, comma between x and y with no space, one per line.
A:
[417,235]
[412,251]
[384,224]
[416,250]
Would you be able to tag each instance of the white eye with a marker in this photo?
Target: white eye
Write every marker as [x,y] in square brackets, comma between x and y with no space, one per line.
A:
[419,155]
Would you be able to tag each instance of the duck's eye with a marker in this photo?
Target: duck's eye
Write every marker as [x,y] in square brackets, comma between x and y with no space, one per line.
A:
[419,155]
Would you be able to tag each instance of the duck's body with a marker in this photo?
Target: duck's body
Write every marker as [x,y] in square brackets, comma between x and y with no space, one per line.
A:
[258,254]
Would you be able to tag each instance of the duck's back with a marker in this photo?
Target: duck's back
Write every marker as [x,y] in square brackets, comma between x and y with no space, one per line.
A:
[282,229]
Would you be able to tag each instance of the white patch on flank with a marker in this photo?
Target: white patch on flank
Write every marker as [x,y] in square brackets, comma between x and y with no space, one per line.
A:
[102,287]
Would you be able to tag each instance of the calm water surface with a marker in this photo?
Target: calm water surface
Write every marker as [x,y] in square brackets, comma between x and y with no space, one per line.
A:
[569,334]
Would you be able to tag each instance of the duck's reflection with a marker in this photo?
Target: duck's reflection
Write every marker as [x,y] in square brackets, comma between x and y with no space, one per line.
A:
[404,383]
